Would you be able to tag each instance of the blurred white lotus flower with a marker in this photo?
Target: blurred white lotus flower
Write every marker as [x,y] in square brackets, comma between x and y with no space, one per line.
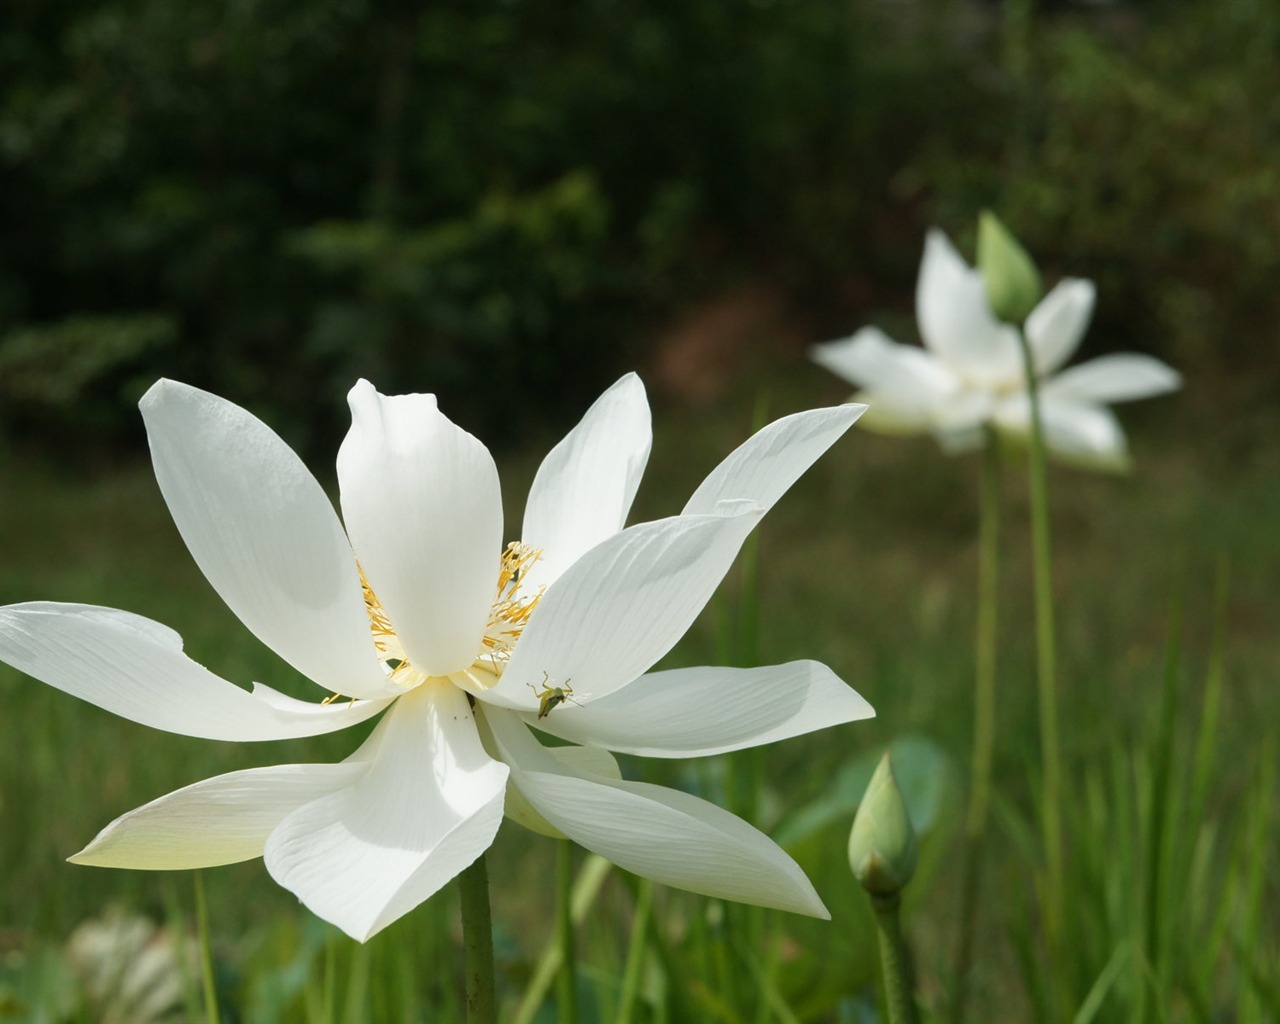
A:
[417,609]
[131,971]
[970,372]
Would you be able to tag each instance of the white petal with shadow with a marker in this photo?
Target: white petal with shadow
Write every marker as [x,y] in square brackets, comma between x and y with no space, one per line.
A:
[222,820]
[663,834]
[426,808]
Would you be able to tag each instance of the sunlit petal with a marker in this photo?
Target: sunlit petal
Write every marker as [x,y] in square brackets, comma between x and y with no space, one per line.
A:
[264,534]
[623,605]
[136,669]
[763,467]
[585,485]
[221,820]
[421,501]
[695,712]
[427,807]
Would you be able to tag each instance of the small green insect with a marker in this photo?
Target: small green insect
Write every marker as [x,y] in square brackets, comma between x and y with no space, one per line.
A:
[551,697]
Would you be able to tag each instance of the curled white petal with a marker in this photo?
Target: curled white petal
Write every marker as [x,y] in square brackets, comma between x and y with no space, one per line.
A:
[695,712]
[422,505]
[427,806]
[222,820]
[264,534]
[135,668]
[585,485]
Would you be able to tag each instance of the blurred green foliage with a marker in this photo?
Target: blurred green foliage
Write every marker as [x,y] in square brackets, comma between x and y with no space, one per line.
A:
[500,201]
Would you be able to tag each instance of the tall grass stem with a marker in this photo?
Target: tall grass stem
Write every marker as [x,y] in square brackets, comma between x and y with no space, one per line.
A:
[1046,670]
[984,713]
[208,980]
[477,942]
[637,947]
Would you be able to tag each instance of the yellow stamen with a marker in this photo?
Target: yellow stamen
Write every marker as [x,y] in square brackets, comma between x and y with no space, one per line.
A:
[507,618]
[511,610]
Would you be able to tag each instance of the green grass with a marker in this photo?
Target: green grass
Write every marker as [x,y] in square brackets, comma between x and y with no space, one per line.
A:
[868,564]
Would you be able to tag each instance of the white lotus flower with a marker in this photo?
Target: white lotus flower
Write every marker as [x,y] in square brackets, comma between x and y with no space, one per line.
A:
[970,372]
[417,609]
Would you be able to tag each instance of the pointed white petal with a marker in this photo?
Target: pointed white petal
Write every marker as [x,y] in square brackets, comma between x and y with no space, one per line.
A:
[264,534]
[694,712]
[663,834]
[763,467]
[585,485]
[1088,435]
[421,502]
[623,605]
[427,807]
[221,820]
[1058,322]
[135,668]
[957,323]
[1122,377]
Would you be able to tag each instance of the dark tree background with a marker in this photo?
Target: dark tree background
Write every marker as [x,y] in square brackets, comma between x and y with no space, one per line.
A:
[503,202]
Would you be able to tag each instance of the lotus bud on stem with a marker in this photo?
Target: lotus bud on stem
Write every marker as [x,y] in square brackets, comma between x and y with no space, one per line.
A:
[883,853]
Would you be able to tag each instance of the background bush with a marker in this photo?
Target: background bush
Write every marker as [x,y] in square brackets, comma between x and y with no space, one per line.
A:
[502,202]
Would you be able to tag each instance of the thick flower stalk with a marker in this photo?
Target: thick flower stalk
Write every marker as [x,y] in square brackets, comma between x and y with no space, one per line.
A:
[970,372]
[412,608]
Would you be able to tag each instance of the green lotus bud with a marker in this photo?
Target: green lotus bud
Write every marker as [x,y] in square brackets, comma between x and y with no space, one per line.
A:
[1012,280]
[882,846]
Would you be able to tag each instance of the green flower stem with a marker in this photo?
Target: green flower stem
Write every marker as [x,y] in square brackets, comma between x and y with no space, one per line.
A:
[566,979]
[209,984]
[1046,662]
[477,941]
[895,960]
[984,712]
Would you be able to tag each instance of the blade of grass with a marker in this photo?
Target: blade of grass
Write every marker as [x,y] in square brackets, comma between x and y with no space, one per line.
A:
[586,888]
[210,983]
